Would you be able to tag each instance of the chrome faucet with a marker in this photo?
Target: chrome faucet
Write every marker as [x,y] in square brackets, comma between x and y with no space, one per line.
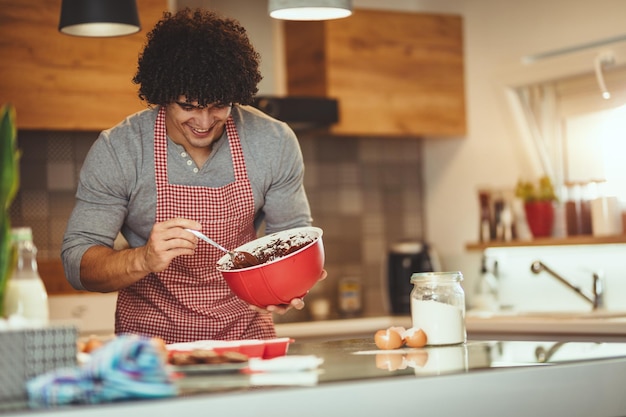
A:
[596,299]
[544,355]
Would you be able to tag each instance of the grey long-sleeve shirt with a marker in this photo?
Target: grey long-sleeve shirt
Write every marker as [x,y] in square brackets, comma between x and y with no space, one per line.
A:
[117,190]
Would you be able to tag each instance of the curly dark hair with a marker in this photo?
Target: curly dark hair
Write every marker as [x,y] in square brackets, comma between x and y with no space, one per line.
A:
[200,55]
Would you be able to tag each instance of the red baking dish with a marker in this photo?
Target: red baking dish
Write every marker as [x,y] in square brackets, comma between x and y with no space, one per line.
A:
[276,347]
[250,348]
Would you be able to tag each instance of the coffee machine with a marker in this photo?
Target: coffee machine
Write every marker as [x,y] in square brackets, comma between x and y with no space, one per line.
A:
[403,260]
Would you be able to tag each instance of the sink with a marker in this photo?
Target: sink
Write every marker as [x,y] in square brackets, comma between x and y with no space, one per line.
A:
[606,323]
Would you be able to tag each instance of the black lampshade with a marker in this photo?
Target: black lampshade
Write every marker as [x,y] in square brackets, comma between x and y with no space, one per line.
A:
[99,18]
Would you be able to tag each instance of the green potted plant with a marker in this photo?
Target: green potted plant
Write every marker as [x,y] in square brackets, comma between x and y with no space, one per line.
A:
[538,205]
[9,184]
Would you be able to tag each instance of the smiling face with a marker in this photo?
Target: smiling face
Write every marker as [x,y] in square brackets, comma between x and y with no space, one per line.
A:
[196,127]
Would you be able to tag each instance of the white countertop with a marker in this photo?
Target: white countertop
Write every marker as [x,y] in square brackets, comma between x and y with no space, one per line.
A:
[607,325]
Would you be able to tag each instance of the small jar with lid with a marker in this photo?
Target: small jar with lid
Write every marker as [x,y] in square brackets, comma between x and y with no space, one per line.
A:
[438,307]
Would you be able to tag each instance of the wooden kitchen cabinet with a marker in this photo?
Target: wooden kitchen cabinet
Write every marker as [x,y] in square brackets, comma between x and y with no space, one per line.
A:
[393,73]
[61,82]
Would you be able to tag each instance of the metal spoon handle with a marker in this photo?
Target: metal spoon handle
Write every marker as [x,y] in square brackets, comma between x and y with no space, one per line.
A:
[208,240]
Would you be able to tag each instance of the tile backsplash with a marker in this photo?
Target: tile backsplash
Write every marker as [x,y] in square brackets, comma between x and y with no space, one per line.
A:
[49,168]
[365,193]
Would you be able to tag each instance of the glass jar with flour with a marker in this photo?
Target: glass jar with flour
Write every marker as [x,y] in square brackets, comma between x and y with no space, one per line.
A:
[438,307]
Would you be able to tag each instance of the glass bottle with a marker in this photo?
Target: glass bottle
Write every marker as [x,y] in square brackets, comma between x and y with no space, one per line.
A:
[438,307]
[349,296]
[588,193]
[572,209]
[26,293]
[484,198]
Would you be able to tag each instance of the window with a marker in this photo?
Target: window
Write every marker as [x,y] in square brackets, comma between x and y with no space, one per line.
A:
[579,135]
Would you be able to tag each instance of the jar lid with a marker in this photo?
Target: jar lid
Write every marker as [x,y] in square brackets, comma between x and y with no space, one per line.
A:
[407,247]
[453,276]
[21,234]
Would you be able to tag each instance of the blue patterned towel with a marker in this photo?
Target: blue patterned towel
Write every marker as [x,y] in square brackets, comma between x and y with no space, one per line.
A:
[127,367]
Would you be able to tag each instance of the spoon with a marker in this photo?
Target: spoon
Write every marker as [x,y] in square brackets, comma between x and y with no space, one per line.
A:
[240,259]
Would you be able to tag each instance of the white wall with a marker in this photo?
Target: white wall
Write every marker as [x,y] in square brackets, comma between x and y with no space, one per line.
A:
[498,33]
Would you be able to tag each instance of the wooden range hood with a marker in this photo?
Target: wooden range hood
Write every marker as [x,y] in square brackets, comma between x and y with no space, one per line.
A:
[393,73]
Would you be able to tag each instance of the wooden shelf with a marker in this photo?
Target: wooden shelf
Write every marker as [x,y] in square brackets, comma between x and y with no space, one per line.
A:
[574,240]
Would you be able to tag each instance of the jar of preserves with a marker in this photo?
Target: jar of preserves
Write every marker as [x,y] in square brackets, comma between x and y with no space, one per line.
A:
[438,307]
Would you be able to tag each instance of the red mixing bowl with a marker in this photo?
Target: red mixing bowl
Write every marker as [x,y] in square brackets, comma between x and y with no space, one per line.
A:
[281,280]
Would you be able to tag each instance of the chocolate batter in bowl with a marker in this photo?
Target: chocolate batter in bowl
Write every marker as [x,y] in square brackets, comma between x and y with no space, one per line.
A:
[291,262]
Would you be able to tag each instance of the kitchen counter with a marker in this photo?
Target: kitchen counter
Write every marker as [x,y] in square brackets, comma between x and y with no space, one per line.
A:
[486,378]
[573,326]
[340,328]
[582,326]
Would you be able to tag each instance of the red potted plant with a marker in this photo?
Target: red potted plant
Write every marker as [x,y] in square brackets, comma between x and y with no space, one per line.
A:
[538,205]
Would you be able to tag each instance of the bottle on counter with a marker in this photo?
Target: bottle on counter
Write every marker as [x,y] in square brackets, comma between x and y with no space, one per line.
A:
[349,296]
[26,294]
[573,217]
[606,213]
[498,210]
[588,193]
[485,231]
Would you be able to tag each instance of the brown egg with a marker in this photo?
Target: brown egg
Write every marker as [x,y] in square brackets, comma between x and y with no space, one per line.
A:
[159,344]
[415,338]
[92,344]
[398,329]
[388,339]
[161,347]
[390,361]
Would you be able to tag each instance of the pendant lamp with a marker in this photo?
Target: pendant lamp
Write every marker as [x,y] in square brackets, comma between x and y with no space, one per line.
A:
[99,18]
[309,9]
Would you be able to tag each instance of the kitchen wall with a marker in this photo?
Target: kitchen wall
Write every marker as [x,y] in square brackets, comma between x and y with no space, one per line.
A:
[365,193]
[497,34]
[49,168]
[495,152]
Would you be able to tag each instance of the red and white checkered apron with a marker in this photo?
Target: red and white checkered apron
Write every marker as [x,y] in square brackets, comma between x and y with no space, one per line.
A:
[190,300]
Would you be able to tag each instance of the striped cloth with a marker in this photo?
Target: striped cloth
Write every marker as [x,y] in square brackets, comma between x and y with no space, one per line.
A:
[127,367]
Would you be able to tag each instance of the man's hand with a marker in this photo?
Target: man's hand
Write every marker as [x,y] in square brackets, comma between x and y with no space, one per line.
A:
[297,303]
[168,240]
[104,269]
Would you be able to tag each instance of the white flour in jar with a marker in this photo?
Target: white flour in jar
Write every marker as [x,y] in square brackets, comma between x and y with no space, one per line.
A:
[443,323]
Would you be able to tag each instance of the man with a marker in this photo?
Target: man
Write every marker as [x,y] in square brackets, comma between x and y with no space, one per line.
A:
[199,158]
